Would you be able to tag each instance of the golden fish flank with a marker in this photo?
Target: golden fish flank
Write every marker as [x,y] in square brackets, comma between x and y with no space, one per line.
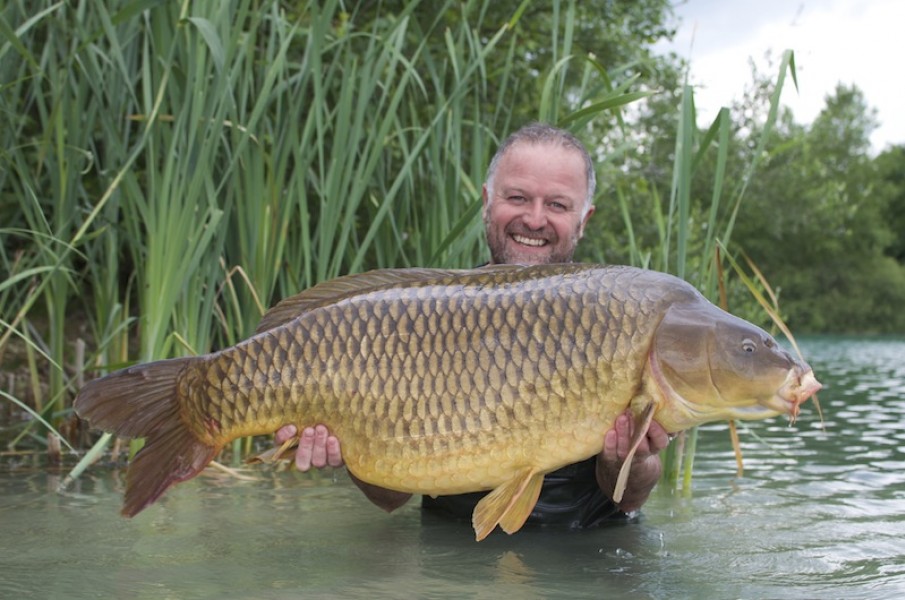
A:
[443,382]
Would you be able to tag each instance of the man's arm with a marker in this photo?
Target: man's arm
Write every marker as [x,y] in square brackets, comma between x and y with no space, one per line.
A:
[646,466]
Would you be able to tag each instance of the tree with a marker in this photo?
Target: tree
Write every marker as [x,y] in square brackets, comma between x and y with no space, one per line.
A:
[891,187]
[816,226]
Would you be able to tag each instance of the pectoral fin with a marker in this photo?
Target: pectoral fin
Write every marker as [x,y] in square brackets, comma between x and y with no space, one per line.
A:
[640,432]
[509,505]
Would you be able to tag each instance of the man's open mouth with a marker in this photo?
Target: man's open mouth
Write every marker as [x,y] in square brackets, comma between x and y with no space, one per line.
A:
[526,241]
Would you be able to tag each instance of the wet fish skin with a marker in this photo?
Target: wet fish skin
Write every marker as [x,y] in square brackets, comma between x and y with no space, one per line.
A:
[443,382]
[429,386]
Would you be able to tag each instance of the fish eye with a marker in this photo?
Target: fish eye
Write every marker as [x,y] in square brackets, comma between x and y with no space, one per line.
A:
[749,346]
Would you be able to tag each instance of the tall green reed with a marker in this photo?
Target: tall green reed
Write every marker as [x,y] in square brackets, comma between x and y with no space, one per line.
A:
[43,161]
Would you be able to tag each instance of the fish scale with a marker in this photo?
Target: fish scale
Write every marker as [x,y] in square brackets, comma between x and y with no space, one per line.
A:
[441,382]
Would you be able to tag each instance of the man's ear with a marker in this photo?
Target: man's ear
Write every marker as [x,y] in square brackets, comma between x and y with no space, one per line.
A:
[486,198]
[584,221]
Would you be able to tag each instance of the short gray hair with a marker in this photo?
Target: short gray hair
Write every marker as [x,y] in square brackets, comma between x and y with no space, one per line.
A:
[543,133]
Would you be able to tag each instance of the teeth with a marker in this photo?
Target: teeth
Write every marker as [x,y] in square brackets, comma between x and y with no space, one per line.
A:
[529,241]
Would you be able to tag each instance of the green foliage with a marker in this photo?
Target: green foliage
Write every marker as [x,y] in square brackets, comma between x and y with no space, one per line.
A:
[171,169]
[820,223]
[890,190]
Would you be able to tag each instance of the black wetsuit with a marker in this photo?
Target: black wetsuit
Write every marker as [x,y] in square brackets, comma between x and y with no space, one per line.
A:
[569,497]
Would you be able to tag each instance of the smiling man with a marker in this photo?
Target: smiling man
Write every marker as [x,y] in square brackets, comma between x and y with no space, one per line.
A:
[537,197]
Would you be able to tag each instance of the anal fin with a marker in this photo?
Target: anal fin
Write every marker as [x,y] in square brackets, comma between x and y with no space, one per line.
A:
[509,505]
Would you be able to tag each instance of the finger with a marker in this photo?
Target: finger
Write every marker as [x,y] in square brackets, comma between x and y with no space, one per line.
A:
[611,442]
[625,427]
[657,438]
[319,451]
[306,447]
[285,432]
[621,445]
[334,453]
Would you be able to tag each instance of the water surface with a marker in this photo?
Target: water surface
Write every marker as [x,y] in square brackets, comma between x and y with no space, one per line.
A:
[816,514]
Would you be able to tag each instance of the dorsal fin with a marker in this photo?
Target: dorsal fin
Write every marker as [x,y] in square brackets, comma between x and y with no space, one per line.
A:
[334,290]
[328,292]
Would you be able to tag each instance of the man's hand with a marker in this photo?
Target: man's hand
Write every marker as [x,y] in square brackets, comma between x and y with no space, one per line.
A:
[646,467]
[317,448]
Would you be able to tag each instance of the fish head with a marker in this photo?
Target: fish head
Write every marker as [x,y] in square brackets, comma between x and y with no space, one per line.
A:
[709,366]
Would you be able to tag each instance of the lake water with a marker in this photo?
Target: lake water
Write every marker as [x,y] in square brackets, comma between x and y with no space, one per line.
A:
[817,514]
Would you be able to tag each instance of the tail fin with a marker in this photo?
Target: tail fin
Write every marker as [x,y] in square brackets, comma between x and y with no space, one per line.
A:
[141,402]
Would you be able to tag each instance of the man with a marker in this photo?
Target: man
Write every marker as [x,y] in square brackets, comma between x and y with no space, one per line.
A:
[537,200]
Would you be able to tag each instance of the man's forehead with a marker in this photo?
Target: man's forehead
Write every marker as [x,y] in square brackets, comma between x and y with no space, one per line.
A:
[545,145]
[548,153]
[554,164]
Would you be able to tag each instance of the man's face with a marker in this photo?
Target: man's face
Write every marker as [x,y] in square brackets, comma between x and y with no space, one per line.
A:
[535,214]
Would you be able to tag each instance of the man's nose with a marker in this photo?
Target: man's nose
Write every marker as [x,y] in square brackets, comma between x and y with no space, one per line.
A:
[535,216]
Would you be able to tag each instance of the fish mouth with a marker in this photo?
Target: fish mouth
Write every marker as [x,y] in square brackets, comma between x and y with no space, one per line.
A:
[798,387]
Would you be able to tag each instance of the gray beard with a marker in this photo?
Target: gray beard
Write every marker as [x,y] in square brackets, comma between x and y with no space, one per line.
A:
[502,253]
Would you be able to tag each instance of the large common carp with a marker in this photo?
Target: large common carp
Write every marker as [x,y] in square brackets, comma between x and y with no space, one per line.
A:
[443,382]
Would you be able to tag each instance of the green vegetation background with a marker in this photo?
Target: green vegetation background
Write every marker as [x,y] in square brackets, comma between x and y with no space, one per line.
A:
[170,169]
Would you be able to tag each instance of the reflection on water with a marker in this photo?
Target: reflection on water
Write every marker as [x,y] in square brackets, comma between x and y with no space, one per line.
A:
[817,514]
